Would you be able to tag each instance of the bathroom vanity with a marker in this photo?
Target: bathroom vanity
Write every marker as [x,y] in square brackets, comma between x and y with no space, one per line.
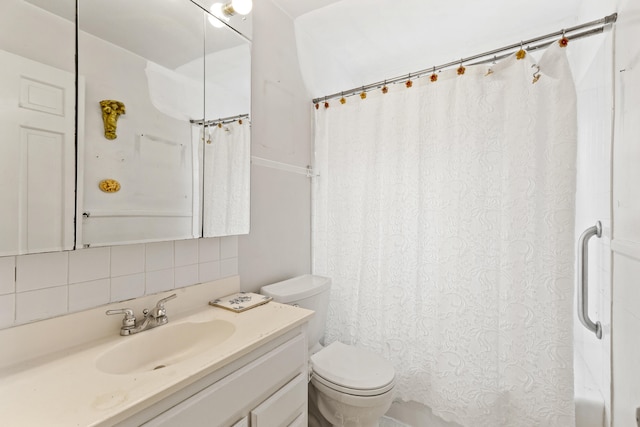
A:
[207,366]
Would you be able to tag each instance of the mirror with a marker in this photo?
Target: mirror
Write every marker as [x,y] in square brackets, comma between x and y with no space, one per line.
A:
[159,159]
[142,65]
[179,162]
[37,126]
[227,153]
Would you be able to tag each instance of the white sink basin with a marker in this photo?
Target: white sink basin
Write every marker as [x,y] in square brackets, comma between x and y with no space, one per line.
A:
[163,346]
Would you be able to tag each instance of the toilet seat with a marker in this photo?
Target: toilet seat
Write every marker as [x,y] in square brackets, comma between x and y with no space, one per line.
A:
[352,370]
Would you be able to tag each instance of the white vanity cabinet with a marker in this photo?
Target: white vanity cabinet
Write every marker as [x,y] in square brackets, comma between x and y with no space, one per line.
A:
[268,390]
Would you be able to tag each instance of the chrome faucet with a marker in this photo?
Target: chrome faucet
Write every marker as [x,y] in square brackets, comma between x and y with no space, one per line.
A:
[157,316]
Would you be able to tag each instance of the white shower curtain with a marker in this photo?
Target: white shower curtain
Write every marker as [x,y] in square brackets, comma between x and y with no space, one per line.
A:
[227,163]
[444,215]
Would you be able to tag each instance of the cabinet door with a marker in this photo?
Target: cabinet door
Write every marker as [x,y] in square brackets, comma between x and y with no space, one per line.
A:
[222,403]
[301,421]
[284,406]
[242,423]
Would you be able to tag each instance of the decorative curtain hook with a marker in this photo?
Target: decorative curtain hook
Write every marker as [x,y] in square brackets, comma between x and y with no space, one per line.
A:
[521,53]
[385,89]
[363,94]
[461,68]
[564,41]
[409,83]
[342,99]
[536,74]
[434,76]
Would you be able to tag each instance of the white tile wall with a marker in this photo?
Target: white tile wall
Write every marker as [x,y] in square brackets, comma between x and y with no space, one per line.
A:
[208,250]
[89,294]
[41,304]
[159,281]
[127,287]
[39,286]
[159,256]
[40,271]
[7,310]
[186,252]
[7,275]
[89,264]
[228,247]
[228,267]
[186,276]
[209,271]
[127,259]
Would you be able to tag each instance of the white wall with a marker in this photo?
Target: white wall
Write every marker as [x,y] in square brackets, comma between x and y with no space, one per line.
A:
[279,244]
[626,219]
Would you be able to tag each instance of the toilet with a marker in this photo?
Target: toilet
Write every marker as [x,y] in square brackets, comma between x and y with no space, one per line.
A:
[349,386]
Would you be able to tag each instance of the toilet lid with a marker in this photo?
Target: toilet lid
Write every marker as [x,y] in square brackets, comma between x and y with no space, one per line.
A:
[353,370]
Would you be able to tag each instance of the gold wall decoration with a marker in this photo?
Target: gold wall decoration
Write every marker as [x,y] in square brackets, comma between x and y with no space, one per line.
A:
[111,110]
[109,185]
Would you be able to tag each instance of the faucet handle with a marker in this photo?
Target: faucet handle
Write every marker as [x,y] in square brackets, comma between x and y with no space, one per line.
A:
[159,310]
[129,320]
[160,304]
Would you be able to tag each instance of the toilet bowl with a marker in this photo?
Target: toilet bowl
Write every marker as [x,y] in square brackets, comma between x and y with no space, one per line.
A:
[354,387]
[349,386]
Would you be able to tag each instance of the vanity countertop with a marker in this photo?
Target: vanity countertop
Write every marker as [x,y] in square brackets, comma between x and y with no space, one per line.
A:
[66,388]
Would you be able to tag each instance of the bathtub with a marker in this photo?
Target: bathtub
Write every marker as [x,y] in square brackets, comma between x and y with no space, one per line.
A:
[589,403]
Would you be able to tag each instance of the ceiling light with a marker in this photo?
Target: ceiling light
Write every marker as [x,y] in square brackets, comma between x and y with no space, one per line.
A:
[219,15]
[242,7]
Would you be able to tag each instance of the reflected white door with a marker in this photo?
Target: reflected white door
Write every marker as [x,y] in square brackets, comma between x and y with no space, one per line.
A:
[37,156]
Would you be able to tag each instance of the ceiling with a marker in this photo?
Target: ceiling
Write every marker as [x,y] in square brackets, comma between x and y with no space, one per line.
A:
[295,8]
[343,44]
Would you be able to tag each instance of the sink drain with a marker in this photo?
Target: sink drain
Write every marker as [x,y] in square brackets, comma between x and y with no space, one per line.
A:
[159,367]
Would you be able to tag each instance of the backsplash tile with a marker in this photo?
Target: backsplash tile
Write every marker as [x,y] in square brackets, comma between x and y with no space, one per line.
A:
[158,256]
[89,294]
[41,304]
[127,259]
[186,252]
[186,276]
[7,310]
[228,247]
[7,275]
[127,287]
[208,249]
[40,271]
[53,284]
[228,267]
[209,271]
[159,281]
[89,264]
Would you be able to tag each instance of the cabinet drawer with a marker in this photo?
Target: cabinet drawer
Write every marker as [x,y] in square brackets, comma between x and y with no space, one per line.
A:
[282,407]
[301,421]
[242,423]
[231,398]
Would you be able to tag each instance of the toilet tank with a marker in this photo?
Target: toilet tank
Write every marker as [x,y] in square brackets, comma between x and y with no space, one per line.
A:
[308,291]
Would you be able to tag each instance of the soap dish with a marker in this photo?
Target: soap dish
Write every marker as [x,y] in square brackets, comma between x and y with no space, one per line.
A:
[240,301]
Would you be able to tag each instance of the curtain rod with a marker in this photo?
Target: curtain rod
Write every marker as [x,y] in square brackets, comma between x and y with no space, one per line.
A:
[488,56]
[224,120]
